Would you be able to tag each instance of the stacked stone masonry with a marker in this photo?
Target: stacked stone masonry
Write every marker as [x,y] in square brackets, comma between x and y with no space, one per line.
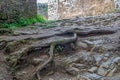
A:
[63,9]
[10,10]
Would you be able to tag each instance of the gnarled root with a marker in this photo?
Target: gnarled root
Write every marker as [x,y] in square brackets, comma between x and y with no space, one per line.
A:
[51,58]
[51,54]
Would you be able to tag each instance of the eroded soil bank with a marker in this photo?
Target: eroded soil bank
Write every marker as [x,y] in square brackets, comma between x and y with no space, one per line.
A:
[75,49]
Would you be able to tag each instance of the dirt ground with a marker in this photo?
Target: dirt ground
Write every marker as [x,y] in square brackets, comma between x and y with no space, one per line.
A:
[94,54]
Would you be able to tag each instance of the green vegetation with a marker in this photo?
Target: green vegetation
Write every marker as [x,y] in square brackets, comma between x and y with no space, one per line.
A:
[47,24]
[20,22]
[59,48]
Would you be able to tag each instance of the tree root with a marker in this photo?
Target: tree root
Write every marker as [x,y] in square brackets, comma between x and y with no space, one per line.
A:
[3,44]
[51,58]
[51,54]
[15,58]
[92,49]
[89,32]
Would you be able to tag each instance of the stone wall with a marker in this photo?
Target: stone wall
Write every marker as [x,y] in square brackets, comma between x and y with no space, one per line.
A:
[42,8]
[53,9]
[62,9]
[10,10]
[117,5]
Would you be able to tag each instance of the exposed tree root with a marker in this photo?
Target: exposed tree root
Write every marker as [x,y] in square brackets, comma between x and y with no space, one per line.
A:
[3,44]
[51,58]
[51,54]
[88,32]
[16,56]
[4,31]
[91,51]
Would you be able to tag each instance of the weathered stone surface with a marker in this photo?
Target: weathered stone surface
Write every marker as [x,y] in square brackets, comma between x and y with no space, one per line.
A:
[62,9]
[111,78]
[80,66]
[75,68]
[85,57]
[43,9]
[109,67]
[102,71]
[51,79]
[10,10]
[111,73]
[93,69]
[98,59]
[81,44]
[73,71]
[88,76]
[52,10]
[104,68]
[117,5]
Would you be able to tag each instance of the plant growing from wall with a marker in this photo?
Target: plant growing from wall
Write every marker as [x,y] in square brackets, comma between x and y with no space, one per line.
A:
[21,21]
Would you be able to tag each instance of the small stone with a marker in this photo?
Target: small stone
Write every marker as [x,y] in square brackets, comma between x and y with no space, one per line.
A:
[89,76]
[111,73]
[107,55]
[98,59]
[67,24]
[111,78]
[105,58]
[101,71]
[88,42]
[107,64]
[72,70]
[93,69]
[51,79]
[80,66]
[21,73]
[116,60]
[50,73]
[112,66]
[109,67]
[82,57]
[79,77]
[93,76]
[81,44]
[37,61]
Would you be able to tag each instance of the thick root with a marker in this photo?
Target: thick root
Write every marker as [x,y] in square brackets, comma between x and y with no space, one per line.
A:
[16,56]
[51,58]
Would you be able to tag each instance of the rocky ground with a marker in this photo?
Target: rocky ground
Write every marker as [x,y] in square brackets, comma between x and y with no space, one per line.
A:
[75,49]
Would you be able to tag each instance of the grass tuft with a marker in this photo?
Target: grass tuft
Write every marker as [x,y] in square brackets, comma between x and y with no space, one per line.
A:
[21,22]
